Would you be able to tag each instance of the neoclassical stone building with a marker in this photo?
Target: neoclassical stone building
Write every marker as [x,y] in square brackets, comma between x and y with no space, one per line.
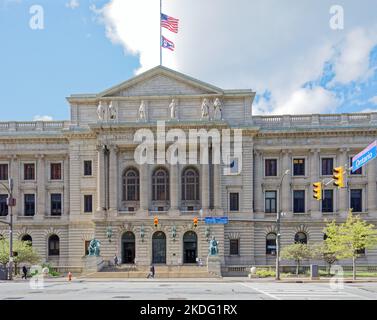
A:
[77,180]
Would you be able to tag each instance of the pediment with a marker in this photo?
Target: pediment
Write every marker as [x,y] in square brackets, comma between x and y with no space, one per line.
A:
[161,81]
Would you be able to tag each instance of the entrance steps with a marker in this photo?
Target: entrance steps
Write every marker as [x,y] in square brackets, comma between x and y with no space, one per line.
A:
[161,272]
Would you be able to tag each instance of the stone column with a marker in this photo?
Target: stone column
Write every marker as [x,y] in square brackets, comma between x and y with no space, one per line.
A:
[372,188]
[66,193]
[101,178]
[314,177]
[174,187]
[286,193]
[144,187]
[258,192]
[41,186]
[205,187]
[14,173]
[217,186]
[113,178]
[343,193]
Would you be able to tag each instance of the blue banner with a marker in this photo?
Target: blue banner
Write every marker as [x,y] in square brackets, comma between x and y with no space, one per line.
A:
[216,220]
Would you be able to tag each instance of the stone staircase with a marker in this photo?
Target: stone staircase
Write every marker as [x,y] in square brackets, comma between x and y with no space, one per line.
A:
[161,272]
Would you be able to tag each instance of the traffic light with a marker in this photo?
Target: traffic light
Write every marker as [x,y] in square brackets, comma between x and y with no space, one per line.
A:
[195,221]
[317,190]
[338,176]
[155,222]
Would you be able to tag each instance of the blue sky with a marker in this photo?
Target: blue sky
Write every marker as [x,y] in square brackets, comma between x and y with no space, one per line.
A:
[284,50]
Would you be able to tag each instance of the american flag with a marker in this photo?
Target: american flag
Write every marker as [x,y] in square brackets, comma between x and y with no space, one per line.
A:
[166,43]
[169,23]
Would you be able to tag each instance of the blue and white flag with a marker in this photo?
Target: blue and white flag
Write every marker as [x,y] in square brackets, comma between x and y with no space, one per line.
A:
[167,44]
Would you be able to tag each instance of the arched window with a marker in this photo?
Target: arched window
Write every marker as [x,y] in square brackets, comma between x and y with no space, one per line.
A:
[301,237]
[271,243]
[131,185]
[27,237]
[190,185]
[160,185]
[53,245]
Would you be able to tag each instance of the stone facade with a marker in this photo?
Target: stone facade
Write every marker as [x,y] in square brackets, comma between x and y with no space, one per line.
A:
[95,150]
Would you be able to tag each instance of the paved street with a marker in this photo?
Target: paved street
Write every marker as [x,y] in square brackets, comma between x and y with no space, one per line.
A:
[200,290]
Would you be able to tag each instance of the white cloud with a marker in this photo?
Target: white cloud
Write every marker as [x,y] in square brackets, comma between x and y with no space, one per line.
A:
[352,63]
[42,118]
[72,4]
[263,45]
[373,100]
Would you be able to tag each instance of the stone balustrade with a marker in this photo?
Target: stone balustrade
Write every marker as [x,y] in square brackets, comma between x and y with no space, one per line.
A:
[22,126]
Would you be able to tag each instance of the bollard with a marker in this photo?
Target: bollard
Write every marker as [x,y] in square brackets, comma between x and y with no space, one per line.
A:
[314,274]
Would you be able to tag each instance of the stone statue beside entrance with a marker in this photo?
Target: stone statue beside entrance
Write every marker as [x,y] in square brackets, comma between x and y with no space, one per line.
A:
[213,247]
[94,248]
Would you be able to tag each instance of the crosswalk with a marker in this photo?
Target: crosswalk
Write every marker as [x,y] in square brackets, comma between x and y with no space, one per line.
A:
[293,291]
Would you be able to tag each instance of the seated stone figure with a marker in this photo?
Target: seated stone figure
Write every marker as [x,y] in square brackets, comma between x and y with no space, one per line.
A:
[94,248]
[213,247]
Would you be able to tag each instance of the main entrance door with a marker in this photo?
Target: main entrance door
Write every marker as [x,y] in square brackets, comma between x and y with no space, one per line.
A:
[159,247]
[190,246]
[128,247]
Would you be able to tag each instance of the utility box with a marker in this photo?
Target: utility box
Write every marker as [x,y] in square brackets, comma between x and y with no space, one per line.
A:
[3,273]
[314,272]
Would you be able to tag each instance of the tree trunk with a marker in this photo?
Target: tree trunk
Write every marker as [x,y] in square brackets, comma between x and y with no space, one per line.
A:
[329,269]
[297,267]
[354,268]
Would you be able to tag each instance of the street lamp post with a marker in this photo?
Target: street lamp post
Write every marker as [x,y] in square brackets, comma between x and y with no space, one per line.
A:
[11,202]
[278,217]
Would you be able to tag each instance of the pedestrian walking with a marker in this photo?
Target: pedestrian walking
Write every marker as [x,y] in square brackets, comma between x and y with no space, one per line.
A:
[24,271]
[151,272]
[116,261]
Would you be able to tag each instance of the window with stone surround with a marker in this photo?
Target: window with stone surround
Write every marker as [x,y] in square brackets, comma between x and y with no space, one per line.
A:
[356,202]
[88,203]
[301,237]
[56,204]
[327,165]
[160,185]
[234,201]
[328,201]
[299,167]
[3,171]
[29,171]
[271,244]
[270,167]
[3,205]
[234,247]
[299,201]
[56,171]
[270,201]
[88,168]
[190,184]
[29,205]
[131,185]
[53,245]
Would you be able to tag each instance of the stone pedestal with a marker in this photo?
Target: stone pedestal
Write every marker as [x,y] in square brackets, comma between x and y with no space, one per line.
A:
[214,265]
[93,264]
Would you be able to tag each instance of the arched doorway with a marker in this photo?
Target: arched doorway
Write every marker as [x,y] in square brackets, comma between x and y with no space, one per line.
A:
[190,247]
[159,247]
[128,247]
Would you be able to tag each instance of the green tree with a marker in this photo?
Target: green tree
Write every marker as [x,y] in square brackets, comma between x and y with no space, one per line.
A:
[323,252]
[296,252]
[25,253]
[347,239]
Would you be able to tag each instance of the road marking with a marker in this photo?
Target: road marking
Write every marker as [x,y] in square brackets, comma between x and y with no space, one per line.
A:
[261,291]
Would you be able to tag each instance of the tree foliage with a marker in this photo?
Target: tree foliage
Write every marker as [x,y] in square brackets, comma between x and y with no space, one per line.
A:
[296,252]
[25,252]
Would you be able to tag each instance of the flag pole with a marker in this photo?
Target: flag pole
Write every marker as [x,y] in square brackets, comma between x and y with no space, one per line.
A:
[160,34]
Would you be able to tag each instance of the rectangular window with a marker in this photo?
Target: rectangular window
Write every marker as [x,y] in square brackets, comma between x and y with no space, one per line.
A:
[299,201]
[3,205]
[270,167]
[29,171]
[270,202]
[56,171]
[298,167]
[234,247]
[29,204]
[234,201]
[86,247]
[327,166]
[328,201]
[88,203]
[56,204]
[87,168]
[3,172]
[358,171]
[356,200]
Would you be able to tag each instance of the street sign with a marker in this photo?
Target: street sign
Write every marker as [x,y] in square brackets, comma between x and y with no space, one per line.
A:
[362,158]
[216,220]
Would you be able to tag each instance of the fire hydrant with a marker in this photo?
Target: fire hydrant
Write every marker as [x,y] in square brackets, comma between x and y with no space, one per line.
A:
[69,276]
